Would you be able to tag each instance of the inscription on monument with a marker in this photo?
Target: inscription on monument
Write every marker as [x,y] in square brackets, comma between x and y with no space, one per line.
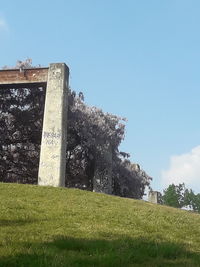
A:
[52,135]
[51,138]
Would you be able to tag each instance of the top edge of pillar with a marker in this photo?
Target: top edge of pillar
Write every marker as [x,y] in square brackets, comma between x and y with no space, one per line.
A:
[58,65]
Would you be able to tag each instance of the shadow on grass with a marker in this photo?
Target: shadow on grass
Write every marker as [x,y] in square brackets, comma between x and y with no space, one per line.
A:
[120,252]
[19,222]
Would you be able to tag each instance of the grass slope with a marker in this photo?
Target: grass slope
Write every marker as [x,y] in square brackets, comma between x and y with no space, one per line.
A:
[44,226]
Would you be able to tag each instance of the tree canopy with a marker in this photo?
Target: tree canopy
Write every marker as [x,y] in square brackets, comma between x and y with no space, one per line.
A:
[179,196]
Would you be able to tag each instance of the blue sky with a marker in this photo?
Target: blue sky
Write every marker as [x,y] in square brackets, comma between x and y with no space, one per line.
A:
[136,59]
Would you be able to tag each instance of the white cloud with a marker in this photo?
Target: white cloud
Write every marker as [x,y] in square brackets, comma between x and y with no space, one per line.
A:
[184,168]
[3,24]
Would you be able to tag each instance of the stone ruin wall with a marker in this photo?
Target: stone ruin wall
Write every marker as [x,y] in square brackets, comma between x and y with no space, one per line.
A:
[54,133]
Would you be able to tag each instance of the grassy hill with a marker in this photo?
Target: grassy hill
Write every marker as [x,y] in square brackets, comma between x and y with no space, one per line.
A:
[44,226]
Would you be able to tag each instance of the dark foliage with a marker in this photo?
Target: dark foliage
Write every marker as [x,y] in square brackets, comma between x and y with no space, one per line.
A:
[20,133]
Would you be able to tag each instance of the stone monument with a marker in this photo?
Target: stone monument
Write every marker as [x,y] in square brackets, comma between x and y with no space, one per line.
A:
[54,133]
[154,197]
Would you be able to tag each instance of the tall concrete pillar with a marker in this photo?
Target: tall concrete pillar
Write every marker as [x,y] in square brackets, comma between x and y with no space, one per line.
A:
[54,134]
[102,180]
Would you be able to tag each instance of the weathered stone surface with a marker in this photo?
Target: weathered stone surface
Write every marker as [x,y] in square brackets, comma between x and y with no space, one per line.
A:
[54,135]
[102,180]
[154,197]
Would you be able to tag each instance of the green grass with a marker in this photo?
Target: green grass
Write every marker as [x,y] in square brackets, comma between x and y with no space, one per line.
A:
[44,226]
